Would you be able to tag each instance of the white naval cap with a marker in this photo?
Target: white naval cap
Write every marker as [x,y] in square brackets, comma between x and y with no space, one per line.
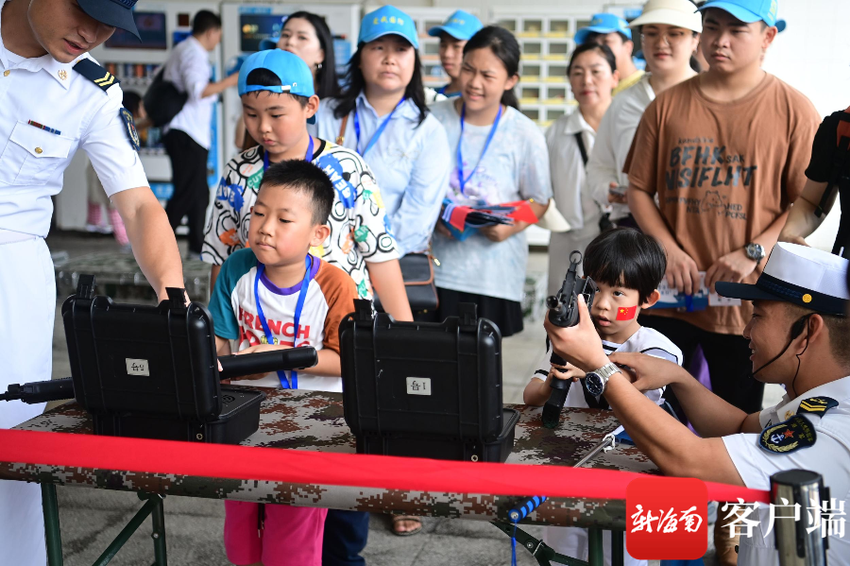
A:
[808,277]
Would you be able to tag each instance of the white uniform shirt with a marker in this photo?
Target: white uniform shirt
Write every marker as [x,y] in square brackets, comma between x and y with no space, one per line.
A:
[32,160]
[189,69]
[829,456]
[613,141]
[571,196]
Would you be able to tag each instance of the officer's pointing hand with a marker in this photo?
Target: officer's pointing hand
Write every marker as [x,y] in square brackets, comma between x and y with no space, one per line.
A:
[580,344]
[647,372]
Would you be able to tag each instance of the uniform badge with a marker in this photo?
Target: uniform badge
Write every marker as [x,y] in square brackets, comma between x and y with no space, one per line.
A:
[788,436]
[817,405]
[130,126]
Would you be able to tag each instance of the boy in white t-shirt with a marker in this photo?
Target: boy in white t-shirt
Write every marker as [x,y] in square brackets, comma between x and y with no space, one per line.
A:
[271,295]
[627,266]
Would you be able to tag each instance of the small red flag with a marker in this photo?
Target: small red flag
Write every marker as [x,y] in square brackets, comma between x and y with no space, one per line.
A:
[626,313]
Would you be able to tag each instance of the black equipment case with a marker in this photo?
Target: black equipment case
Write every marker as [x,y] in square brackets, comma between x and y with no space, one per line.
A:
[152,371]
[431,390]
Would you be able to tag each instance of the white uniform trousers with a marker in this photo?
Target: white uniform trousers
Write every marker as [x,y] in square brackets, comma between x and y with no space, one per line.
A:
[27,309]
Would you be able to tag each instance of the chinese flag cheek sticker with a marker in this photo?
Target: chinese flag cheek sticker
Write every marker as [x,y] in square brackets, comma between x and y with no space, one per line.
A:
[666,518]
[626,313]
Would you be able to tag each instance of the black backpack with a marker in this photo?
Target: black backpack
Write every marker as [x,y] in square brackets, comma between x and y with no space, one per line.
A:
[839,180]
[163,101]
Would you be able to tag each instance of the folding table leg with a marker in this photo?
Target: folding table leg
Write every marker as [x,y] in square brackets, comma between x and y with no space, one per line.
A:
[50,507]
[595,553]
[158,535]
[618,555]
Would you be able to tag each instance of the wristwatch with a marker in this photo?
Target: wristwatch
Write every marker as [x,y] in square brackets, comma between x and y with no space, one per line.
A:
[596,380]
[754,251]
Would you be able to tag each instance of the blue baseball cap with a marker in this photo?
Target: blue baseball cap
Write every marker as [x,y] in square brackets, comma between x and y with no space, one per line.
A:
[748,11]
[385,21]
[115,13]
[460,25]
[603,23]
[294,74]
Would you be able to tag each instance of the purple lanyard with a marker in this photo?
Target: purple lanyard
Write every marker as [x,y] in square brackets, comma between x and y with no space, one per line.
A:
[374,139]
[461,179]
[299,306]
[308,157]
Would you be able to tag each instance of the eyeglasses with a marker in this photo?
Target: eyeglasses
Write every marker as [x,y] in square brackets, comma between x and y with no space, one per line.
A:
[671,38]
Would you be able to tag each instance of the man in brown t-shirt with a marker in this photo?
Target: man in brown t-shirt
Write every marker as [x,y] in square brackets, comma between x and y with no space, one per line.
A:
[726,153]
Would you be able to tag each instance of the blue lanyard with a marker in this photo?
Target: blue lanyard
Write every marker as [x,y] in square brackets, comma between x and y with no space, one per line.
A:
[308,157]
[461,179]
[378,132]
[299,306]
[442,90]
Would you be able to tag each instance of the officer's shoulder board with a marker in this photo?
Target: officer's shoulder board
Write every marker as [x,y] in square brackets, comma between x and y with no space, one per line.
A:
[817,405]
[788,436]
[95,73]
[105,80]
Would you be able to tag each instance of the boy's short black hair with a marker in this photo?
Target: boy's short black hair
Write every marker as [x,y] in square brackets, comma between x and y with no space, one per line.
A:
[265,77]
[205,20]
[626,258]
[300,175]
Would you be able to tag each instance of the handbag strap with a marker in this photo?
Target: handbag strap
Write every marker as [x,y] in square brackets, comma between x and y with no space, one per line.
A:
[341,137]
[581,148]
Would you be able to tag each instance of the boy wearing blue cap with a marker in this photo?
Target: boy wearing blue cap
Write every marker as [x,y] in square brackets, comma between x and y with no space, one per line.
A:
[453,34]
[725,152]
[278,101]
[613,31]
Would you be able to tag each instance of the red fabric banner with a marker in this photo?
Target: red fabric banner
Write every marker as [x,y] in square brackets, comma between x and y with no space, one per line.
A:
[324,468]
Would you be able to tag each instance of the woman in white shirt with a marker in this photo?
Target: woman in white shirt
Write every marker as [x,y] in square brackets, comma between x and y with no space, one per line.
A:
[498,156]
[669,35]
[592,73]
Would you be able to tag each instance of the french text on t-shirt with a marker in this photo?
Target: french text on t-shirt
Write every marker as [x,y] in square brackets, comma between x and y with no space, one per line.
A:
[250,321]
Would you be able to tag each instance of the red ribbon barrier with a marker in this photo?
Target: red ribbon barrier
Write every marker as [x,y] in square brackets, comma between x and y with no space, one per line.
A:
[325,468]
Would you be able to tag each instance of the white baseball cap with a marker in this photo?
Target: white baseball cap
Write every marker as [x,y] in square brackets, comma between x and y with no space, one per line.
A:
[679,13]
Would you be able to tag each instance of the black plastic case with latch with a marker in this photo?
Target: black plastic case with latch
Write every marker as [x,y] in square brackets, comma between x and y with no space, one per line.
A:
[152,371]
[431,390]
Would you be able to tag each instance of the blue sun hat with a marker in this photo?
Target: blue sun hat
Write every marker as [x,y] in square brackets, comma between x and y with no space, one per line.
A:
[387,20]
[603,23]
[748,11]
[294,74]
[460,25]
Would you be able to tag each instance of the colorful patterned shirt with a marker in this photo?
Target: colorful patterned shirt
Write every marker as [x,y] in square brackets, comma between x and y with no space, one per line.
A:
[360,230]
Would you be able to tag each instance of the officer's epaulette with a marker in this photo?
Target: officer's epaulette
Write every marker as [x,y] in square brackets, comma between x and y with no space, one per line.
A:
[95,73]
[817,405]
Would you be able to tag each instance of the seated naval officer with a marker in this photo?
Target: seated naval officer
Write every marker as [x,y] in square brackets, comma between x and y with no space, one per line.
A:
[54,100]
[800,338]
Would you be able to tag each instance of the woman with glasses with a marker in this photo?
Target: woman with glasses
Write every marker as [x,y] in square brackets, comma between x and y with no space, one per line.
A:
[669,35]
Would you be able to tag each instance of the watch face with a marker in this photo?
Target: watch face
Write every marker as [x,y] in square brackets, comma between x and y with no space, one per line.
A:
[594,384]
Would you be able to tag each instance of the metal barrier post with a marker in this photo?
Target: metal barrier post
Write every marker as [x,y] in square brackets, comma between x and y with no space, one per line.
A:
[795,545]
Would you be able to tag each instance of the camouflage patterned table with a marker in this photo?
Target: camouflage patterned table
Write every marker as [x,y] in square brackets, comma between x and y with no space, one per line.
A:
[309,420]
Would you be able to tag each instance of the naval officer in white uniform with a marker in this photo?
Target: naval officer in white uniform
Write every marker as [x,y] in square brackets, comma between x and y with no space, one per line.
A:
[54,99]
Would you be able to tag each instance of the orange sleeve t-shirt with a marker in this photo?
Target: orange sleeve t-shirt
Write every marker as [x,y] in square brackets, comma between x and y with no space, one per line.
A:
[723,173]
